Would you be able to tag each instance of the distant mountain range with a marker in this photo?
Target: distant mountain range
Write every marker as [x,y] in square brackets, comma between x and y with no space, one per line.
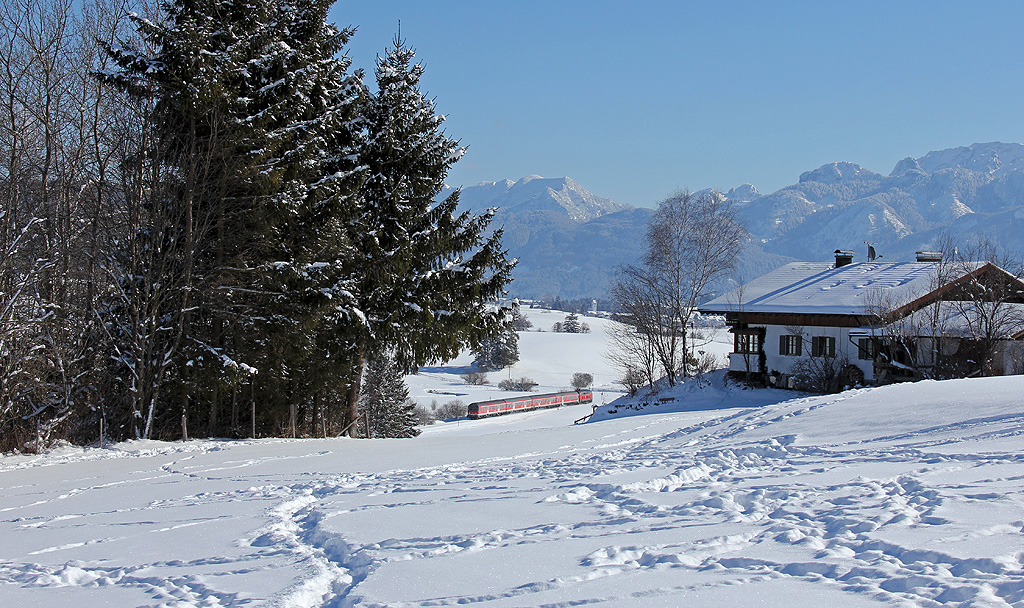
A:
[569,241]
[969,191]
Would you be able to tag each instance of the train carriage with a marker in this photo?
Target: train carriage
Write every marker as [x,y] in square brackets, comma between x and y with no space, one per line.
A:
[498,407]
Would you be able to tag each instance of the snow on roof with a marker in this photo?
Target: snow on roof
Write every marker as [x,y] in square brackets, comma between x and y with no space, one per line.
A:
[954,319]
[820,288]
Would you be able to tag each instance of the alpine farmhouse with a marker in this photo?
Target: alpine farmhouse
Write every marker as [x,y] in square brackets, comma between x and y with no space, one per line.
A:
[823,326]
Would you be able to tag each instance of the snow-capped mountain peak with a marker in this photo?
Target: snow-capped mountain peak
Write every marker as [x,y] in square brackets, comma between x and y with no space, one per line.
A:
[742,193]
[834,173]
[993,158]
[562,195]
[907,166]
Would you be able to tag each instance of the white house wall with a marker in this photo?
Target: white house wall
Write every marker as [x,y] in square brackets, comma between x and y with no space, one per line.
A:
[786,363]
[1009,357]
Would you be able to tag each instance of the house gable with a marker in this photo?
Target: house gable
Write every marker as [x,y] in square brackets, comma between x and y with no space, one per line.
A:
[969,285]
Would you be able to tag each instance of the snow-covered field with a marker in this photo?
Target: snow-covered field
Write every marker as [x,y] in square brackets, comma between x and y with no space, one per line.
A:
[903,495]
[548,358]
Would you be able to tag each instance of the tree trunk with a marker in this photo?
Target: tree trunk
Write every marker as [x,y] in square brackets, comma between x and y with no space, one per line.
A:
[291,415]
[252,402]
[353,392]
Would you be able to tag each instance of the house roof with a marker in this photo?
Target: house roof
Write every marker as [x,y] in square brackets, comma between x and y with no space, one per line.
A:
[820,288]
[955,319]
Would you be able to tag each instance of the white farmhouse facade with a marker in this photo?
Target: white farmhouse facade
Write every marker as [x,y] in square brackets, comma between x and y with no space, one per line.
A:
[872,322]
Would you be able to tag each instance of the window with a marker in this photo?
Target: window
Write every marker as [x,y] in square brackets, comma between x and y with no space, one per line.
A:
[866,349]
[789,344]
[823,346]
[747,343]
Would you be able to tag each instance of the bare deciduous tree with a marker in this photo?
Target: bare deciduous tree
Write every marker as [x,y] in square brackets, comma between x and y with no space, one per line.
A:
[692,240]
[60,143]
[988,299]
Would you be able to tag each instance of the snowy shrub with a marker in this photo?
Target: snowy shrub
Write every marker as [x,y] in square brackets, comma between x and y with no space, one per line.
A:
[422,415]
[632,379]
[822,374]
[453,409]
[702,364]
[475,378]
[521,384]
[581,380]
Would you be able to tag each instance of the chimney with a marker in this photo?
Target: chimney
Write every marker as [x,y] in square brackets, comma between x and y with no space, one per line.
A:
[843,258]
[929,256]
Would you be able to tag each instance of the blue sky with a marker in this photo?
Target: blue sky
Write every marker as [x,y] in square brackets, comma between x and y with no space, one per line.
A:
[637,99]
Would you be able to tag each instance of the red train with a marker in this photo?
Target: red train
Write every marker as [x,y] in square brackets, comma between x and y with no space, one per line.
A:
[497,407]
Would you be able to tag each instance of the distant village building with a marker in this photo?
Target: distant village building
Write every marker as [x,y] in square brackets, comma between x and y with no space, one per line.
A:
[823,326]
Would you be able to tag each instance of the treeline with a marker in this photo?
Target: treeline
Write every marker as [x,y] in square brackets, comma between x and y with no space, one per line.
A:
[577,305]
[211,226]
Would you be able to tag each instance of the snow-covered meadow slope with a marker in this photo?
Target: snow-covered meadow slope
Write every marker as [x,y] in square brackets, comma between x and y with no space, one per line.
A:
[549,358]
[896,496]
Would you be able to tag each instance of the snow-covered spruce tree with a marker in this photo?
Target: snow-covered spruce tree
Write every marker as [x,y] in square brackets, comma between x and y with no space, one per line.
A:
[520,322]
[427,275]
[497,352]
[253,142]
[571,325]
[385,401]
[314,105]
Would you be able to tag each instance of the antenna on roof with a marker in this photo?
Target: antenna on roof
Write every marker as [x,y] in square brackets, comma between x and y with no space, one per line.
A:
[872,256]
